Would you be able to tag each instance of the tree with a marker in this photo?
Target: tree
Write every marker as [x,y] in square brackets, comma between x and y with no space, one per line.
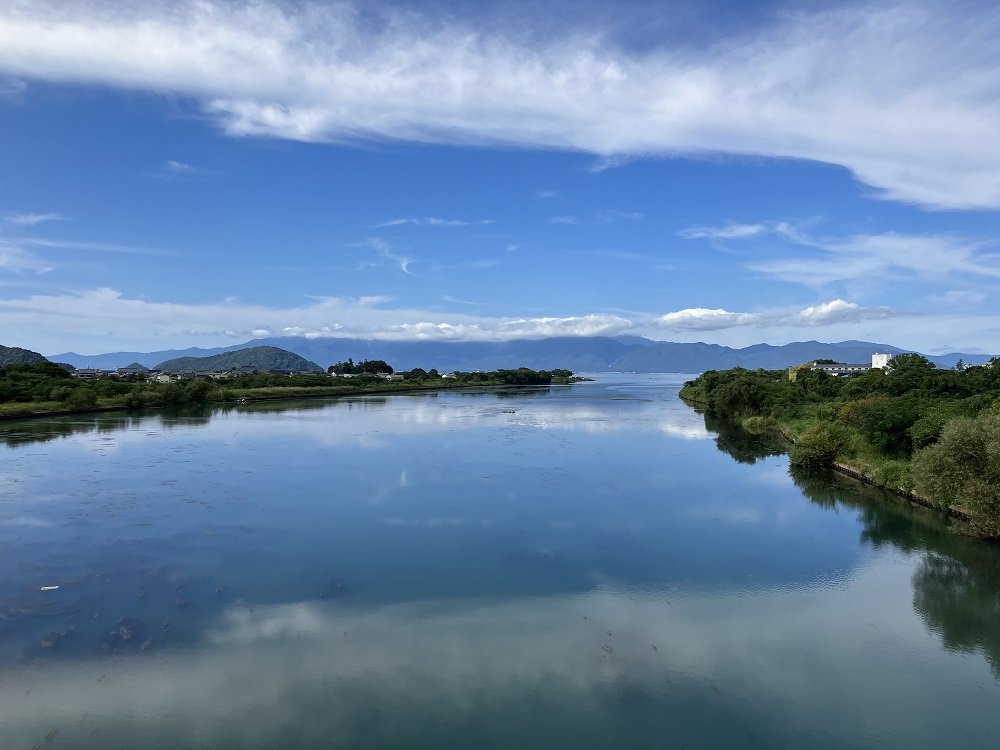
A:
[818,447]
[740,397]
[963,469]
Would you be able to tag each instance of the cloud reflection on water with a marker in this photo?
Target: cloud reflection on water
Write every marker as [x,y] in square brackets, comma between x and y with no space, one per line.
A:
[428,669]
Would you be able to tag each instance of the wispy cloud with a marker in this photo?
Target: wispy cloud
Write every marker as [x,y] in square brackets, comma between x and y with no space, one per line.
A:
[885,257]
[826,313]
[173,169]
[612,216]
[821,261]
[562,220]
[604,163]
[32,219]
[810,84]
[100,247]
[16,259]
[726,232]
[544,194]
[384,250]
[457,301]
[433,221]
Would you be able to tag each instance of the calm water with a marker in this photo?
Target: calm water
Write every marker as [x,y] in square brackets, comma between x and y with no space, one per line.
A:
[591,566]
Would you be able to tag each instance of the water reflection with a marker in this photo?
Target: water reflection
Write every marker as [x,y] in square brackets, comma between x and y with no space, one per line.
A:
[737,443]
[956,584]
[578,567]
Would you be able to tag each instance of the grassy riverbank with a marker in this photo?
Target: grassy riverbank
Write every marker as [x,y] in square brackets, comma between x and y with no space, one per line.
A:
[43,389]
[912,428]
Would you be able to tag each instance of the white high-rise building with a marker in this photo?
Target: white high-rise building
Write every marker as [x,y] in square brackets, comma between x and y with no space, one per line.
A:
[880,361]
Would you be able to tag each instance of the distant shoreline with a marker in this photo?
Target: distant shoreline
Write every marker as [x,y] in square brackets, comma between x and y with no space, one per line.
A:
[300,393]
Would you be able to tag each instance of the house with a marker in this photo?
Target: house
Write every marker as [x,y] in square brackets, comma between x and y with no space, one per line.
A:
[449,376]
[840,369]
[395,377]
[88,374]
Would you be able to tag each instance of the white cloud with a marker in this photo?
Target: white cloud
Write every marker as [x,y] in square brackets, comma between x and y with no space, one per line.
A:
[433,221]
[827,313]
[384,250]
[31,219]
[727,232]
[704,319]
[562,220]
[961,298]
[905,95]
[819,261]
[883,257]
[179,167]
[838,311]
[17,259]
[55,322]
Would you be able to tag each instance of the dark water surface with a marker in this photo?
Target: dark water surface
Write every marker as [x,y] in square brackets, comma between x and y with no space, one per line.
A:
[584,566]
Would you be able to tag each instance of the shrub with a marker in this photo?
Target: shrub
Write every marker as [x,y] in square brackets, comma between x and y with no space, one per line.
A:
[895,475]
[963,469]
[818,447]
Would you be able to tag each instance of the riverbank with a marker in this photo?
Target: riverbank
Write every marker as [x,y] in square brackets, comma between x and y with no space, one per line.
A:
[231,396]
[863,428]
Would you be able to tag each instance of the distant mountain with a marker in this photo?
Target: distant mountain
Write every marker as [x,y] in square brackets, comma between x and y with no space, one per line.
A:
[580,354]
[114,360]
[670,357]
[259,357]
[135,366]
[15,355]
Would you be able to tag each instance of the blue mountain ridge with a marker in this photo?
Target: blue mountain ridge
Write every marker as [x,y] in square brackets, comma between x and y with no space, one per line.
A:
[580,354]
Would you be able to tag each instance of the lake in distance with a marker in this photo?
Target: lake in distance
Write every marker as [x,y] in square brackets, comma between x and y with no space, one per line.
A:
[585,566]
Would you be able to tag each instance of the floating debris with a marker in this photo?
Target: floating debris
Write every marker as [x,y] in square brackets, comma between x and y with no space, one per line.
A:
[49,588]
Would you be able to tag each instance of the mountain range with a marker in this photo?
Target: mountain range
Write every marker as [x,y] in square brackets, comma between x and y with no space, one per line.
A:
[580,354]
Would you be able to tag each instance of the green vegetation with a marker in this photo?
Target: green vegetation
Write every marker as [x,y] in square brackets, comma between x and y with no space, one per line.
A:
[258,357]
[912,428]
[365,367]
[15,355]
[46,388]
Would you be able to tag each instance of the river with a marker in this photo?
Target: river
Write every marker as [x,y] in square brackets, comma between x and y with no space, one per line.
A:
[594,565]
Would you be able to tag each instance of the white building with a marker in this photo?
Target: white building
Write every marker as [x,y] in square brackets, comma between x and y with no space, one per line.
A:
[880,361]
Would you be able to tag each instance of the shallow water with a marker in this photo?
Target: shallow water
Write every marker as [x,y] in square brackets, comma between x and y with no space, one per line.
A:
[584,566]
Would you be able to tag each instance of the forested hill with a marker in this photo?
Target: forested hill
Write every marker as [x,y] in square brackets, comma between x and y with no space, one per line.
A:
[15,355]
[259,357]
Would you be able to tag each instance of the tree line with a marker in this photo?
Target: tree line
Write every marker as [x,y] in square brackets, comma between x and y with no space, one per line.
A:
[911,427]
[45,386]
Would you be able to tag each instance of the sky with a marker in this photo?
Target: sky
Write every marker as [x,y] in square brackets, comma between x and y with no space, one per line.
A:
[200,173]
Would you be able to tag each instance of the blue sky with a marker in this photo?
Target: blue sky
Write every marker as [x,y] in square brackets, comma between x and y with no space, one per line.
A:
[198,174]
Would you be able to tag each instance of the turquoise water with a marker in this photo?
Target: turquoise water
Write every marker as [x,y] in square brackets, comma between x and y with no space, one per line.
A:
[583,566]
